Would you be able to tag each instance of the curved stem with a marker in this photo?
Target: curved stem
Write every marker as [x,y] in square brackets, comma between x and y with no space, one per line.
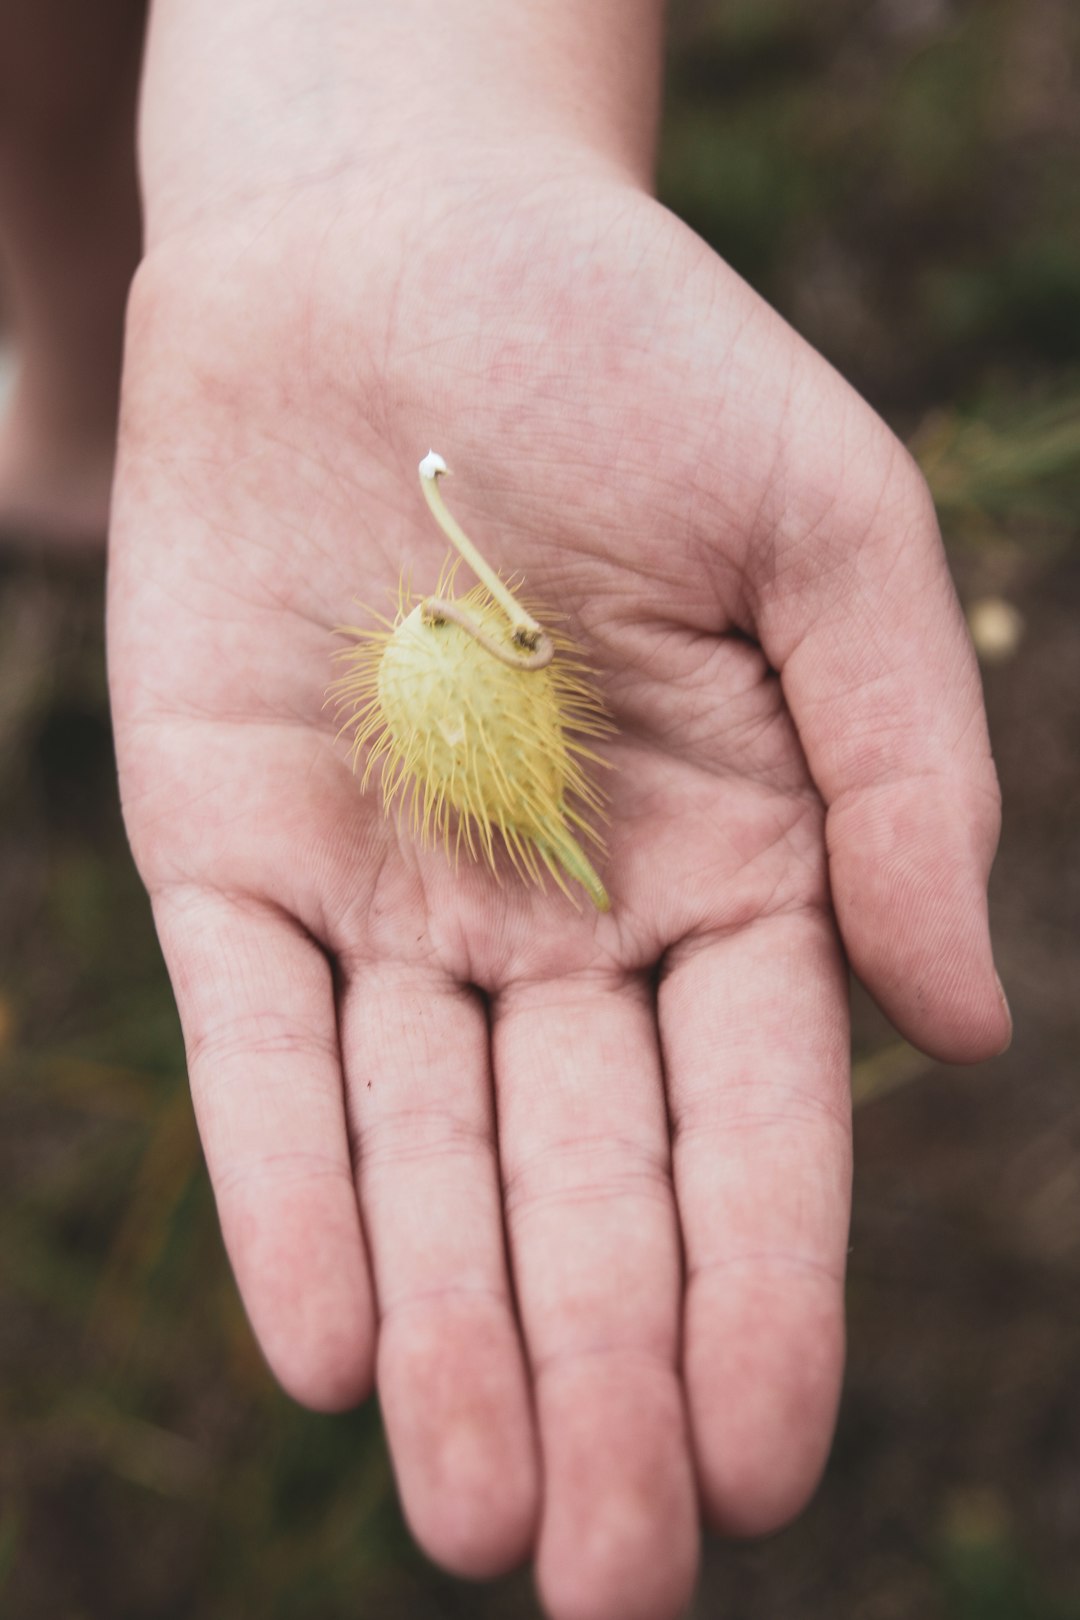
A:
[537,648]
[526,629]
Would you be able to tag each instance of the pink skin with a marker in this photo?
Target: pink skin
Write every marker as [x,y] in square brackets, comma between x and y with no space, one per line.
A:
[574,1189]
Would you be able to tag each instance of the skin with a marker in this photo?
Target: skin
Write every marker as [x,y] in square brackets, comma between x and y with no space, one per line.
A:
[574,1189]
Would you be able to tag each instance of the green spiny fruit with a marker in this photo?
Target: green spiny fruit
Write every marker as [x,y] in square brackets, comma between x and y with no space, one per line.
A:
[476,714]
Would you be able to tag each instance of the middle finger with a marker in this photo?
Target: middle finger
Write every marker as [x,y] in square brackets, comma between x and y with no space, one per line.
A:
[595,1253]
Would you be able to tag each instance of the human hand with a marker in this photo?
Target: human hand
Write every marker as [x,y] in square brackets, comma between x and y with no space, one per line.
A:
[575,1186]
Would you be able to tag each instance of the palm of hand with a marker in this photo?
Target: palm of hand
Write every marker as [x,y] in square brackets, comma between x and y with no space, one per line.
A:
[670,1165]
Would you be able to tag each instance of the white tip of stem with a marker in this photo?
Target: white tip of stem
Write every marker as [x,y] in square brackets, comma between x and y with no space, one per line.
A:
[432,465]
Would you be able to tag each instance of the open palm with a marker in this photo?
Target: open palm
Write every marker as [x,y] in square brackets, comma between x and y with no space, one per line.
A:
[575,1185]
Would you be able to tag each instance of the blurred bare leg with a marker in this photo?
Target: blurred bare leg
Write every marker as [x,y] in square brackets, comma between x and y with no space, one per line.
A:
[69,243]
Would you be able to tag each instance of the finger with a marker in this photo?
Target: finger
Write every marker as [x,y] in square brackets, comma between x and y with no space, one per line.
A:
[256,1002]
[755,1040]
[452,1377]
[594,1250]
[879,673]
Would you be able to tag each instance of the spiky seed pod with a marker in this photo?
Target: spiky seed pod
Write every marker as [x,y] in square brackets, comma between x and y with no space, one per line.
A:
[477,714]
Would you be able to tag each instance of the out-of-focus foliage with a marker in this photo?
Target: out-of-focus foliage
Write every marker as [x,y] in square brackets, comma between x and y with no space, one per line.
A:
[1006,463]
[900,177]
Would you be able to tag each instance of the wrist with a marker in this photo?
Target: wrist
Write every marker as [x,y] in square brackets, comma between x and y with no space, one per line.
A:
[259,96]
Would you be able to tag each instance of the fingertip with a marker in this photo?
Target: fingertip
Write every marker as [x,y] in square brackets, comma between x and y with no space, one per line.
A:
[456,1408]
[321,1351]
[308,1299]
[764,1371]
[744,1501]
[334,1379]
[596,1585]
[942,994]
[472,1544]
[466,1546]
[325,1364]
[908,877]
[485,1527]
[620,1537]
[974,1029]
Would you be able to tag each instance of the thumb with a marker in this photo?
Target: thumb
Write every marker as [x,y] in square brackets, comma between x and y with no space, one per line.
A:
[861,618]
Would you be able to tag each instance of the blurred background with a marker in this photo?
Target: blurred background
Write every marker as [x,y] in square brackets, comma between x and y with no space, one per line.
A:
[902,179]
